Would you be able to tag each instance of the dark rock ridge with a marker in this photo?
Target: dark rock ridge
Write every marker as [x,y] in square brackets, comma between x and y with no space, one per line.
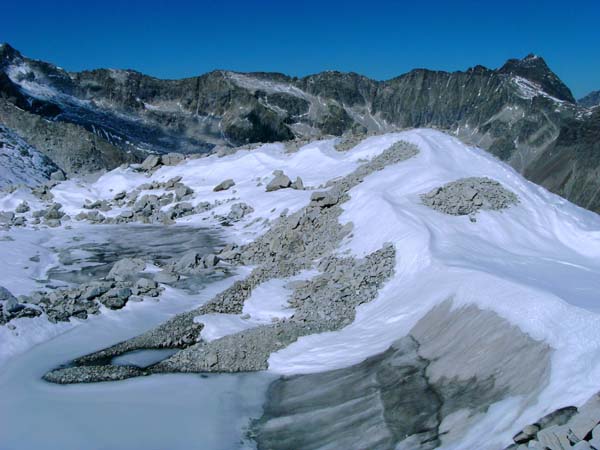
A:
[591,100]
[521,112]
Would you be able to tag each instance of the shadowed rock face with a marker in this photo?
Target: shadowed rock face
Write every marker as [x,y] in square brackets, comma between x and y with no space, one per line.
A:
[521,112]
[70,147]
[426,390]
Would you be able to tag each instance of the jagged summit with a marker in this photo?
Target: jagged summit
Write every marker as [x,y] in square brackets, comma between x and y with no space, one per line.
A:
[534,68]
[7,53]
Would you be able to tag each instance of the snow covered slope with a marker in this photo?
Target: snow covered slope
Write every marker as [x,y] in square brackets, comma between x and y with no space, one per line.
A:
[536,264]
[21,163]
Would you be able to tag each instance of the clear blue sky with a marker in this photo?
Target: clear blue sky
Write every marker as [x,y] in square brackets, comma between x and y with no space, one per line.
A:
[174,39]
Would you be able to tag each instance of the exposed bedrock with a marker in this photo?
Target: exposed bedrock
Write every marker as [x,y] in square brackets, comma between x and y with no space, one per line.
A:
[425,391]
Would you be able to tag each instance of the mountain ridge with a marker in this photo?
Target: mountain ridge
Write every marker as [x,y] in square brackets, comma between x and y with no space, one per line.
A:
[521,112]
[591,100]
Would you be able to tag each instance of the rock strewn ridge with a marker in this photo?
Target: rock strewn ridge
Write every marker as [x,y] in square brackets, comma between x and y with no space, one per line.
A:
[309,234]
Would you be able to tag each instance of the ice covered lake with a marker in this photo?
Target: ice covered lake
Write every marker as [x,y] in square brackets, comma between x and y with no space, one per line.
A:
[184,411]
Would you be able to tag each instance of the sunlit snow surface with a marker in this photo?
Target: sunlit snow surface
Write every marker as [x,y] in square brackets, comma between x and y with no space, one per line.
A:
[536,264]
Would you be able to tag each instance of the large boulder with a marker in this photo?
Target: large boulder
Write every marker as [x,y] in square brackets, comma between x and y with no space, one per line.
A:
[172,159]
[10,303]
[181,191]
[151,162]
[53,212]
[166,277]
[224,185]
[22,208]
[298,184]
[238,211]
[126,268]
[281,181]
[58,176]
[193,261]
[188,262]
[325,199]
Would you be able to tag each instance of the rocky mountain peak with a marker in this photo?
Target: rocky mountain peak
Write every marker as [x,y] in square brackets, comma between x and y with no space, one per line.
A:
[478,69]
[8,54]
[591,100]
[534,68]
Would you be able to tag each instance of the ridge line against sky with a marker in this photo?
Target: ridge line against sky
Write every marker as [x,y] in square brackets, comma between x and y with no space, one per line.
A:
[381,40]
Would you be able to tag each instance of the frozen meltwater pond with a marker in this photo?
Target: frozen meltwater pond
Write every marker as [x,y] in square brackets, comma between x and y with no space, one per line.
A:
[156,412]
[183,411]
[33,259]
[87,252]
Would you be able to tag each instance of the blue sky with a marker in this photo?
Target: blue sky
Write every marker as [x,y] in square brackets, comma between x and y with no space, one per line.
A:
[174,39]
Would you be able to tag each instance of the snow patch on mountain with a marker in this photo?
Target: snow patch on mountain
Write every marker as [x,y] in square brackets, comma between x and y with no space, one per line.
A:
[20,163]
[530,89]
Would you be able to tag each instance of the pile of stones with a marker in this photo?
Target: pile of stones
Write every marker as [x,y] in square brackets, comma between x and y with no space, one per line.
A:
[237,212]
[122,284]
[51,216]
[148,208]
[468,195]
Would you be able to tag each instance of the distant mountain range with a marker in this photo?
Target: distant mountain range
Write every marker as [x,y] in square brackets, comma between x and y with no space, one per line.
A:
[591,100]
[86,121]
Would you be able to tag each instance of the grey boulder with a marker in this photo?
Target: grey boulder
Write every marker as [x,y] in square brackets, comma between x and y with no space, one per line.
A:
[189,261]
[11,305]
[126,268]
[151,162]
[224,185]
[281,181]
[298,184]
[172,159]
[57,176]
[325,199]
[166,277]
